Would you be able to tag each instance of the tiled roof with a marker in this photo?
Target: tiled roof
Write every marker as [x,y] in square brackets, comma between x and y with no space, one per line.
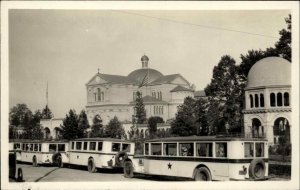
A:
[181,88]
[118,79]
[165,79]
[200,93]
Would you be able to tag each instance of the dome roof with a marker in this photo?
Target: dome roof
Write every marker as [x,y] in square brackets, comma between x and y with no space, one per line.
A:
[139,74]
[270,71]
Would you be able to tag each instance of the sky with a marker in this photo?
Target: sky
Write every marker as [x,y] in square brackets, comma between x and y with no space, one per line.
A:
[64,48]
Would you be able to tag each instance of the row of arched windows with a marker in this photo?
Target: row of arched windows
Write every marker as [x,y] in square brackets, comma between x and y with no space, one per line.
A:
[99,95]
[279,99]
[158,110]
[257,100]
[157,95]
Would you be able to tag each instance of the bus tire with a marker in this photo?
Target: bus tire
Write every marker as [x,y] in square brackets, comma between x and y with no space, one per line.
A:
[120,158]
[91,166]
[257,169]
[202,174]
[128,169]
[34,161]
[20,175]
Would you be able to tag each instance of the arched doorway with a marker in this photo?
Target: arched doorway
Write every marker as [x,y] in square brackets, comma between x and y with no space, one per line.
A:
[281,131]
[57,132]
[47,133]
[257,128]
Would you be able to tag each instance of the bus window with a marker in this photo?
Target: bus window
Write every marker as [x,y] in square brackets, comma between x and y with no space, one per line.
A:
[92,145]
[85,145]
[36,147]
[147,149]
[259,149]
[16,145]
[156,149]
[100,146]
[126,147]
[72,145]
[221,150]
[23,146]
[31,147]
[186,149]
[52,147]
[61,147]
[248,149]
[116,147]
[170,149]
[204,149]
[78,145]
[40,147]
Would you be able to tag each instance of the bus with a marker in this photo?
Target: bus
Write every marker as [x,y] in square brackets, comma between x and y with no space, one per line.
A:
[100,152]
[202,158]
[44,152]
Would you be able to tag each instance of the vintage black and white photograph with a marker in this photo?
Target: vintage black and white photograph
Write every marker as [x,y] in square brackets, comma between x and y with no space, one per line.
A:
[132,97]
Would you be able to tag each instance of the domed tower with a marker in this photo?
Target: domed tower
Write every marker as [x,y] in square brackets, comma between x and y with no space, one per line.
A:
[139,74]
[267,111]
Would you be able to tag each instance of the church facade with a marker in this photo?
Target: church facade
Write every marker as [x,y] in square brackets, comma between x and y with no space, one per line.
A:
[115,95]
[268,107]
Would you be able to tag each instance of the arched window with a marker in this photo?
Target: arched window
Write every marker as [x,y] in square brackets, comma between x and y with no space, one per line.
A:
[286,99]
[279,99]
[256,100]
[99,94]
[272,100]
[262,100]
[251,101]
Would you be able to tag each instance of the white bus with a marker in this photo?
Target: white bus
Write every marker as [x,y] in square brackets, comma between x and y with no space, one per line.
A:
[44,152]
[100,152]
[203,158]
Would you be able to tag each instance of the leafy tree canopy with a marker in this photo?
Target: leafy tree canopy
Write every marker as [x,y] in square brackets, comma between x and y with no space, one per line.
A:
[47,113]
[152,125]
[140,109]
[114,129]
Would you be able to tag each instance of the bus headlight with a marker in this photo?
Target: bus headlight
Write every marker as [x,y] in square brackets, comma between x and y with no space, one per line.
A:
[243,171]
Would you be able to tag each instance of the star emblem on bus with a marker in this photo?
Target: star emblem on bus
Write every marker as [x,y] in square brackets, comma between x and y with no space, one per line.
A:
[169,166]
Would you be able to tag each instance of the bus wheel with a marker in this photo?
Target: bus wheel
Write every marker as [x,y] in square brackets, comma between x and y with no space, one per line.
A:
[60,162]
[257,169]
[202,174]
[20,175]
[128,169]
[91,166]
[34,161]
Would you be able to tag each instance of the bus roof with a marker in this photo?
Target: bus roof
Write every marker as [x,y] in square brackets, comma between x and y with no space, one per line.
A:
[101,139]
[38,141]
[205,138]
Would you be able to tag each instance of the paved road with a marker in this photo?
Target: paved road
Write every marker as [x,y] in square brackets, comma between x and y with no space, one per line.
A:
[66,174]
[49,174]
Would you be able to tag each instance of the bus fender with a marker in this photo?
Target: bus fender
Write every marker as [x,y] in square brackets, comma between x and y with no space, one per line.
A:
[201,166]
[257,169]
[120,158]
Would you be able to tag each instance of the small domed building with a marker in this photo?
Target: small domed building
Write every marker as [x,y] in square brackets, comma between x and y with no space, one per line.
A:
[268,110]
[115,95]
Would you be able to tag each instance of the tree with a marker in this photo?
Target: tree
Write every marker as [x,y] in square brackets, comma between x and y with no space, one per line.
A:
[114,129]
[46,113]
[140,109]
[70,126]
[201,106]
[184,122]
[152,125]
[18,113]
[83,124]
[283,46]
[97,127]
[226,90]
